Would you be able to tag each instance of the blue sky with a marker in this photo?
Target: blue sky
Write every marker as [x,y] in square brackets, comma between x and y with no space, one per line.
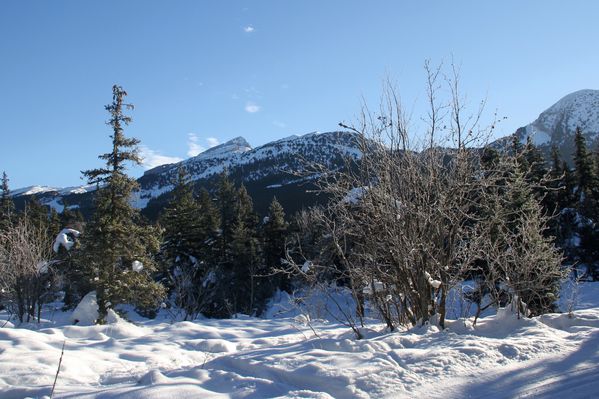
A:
[203,72]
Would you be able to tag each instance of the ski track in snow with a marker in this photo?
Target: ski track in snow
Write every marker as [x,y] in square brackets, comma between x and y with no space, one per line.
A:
[502,357]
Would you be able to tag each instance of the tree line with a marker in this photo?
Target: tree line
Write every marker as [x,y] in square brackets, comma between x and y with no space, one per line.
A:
[403,227]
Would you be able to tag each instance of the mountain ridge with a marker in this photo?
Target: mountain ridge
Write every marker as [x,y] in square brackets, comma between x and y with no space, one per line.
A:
[557,124]
[281,168]
[278,168]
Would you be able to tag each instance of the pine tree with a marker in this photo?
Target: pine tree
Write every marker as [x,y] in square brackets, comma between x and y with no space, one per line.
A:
[556,182]
[71,218]
[595,183]
[116,249]
[583,163]
[184,237]
[245,269]
[274,232]
[209,226]
[517,146]
[42,218]
[73,279]
[518,151]
[519,254]
[535,161]
[226,200]
[241,263]
[180,221]
[238,260]
[567,198]
[7,206]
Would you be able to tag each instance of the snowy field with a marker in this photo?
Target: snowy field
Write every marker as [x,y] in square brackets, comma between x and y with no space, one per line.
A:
[555,355]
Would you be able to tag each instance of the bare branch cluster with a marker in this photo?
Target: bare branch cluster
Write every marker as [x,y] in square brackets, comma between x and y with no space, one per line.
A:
[25,268]
[413,218]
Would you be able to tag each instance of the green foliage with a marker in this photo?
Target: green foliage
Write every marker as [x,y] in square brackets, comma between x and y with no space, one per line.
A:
[583,164]
[274,233]
[186,253]
[115,238]
[7,206]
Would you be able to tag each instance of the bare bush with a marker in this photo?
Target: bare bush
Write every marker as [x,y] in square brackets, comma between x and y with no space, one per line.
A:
[413,218]
[25,268]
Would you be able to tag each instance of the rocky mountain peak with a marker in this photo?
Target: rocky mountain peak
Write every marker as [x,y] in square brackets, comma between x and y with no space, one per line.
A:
[558,123]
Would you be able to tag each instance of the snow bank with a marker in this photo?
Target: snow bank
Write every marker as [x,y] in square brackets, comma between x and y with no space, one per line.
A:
[501,357]
[86,312]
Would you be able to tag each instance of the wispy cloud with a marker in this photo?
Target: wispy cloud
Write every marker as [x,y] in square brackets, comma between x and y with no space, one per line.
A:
[249,29]
[279,124]
[151,158]
[194,147]
[212,142]
[252,108]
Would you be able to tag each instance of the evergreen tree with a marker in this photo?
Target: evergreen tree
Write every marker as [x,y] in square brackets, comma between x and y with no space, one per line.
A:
[245,250]
[518,151]
[71,217]
[556,182]
[245,269]
[519,255]
[36,213]
[274,232]
[583,164]
[489,158]
[180,221]
[209,226]
[184,238]
[226,203]
[238,259]
[116,249]
[556,162]
[7,206]
[534,158]
[567,198]
[209,221]
[517,146]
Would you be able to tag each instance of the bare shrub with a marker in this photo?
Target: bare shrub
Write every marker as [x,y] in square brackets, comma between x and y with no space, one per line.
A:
[25,268]
[414,217]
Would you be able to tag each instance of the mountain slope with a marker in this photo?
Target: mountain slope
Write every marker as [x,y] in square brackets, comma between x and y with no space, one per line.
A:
[557,124]
[284,168]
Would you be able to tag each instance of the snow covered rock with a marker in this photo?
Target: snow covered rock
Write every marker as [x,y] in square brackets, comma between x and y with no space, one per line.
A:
[64,239]
[86,313]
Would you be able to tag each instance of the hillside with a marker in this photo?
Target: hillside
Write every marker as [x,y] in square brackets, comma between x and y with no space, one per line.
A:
[284,168]
[557,124]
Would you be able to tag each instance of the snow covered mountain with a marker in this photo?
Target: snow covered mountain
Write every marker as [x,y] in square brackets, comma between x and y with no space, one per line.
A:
[557,124]
[284,168]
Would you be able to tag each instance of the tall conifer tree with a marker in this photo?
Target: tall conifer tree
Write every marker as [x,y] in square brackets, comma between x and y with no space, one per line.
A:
[116,249]
[7,206]
[583,164]
[274,232]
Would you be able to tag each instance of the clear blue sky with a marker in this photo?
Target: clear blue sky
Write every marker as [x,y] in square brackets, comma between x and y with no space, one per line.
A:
[200,72]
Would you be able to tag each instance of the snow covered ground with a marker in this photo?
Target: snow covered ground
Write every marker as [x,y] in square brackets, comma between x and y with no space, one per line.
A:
[502,357]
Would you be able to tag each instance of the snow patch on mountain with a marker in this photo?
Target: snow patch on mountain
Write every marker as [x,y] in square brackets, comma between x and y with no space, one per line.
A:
[292,155]
[32,190]
[576,110]
[287,161]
